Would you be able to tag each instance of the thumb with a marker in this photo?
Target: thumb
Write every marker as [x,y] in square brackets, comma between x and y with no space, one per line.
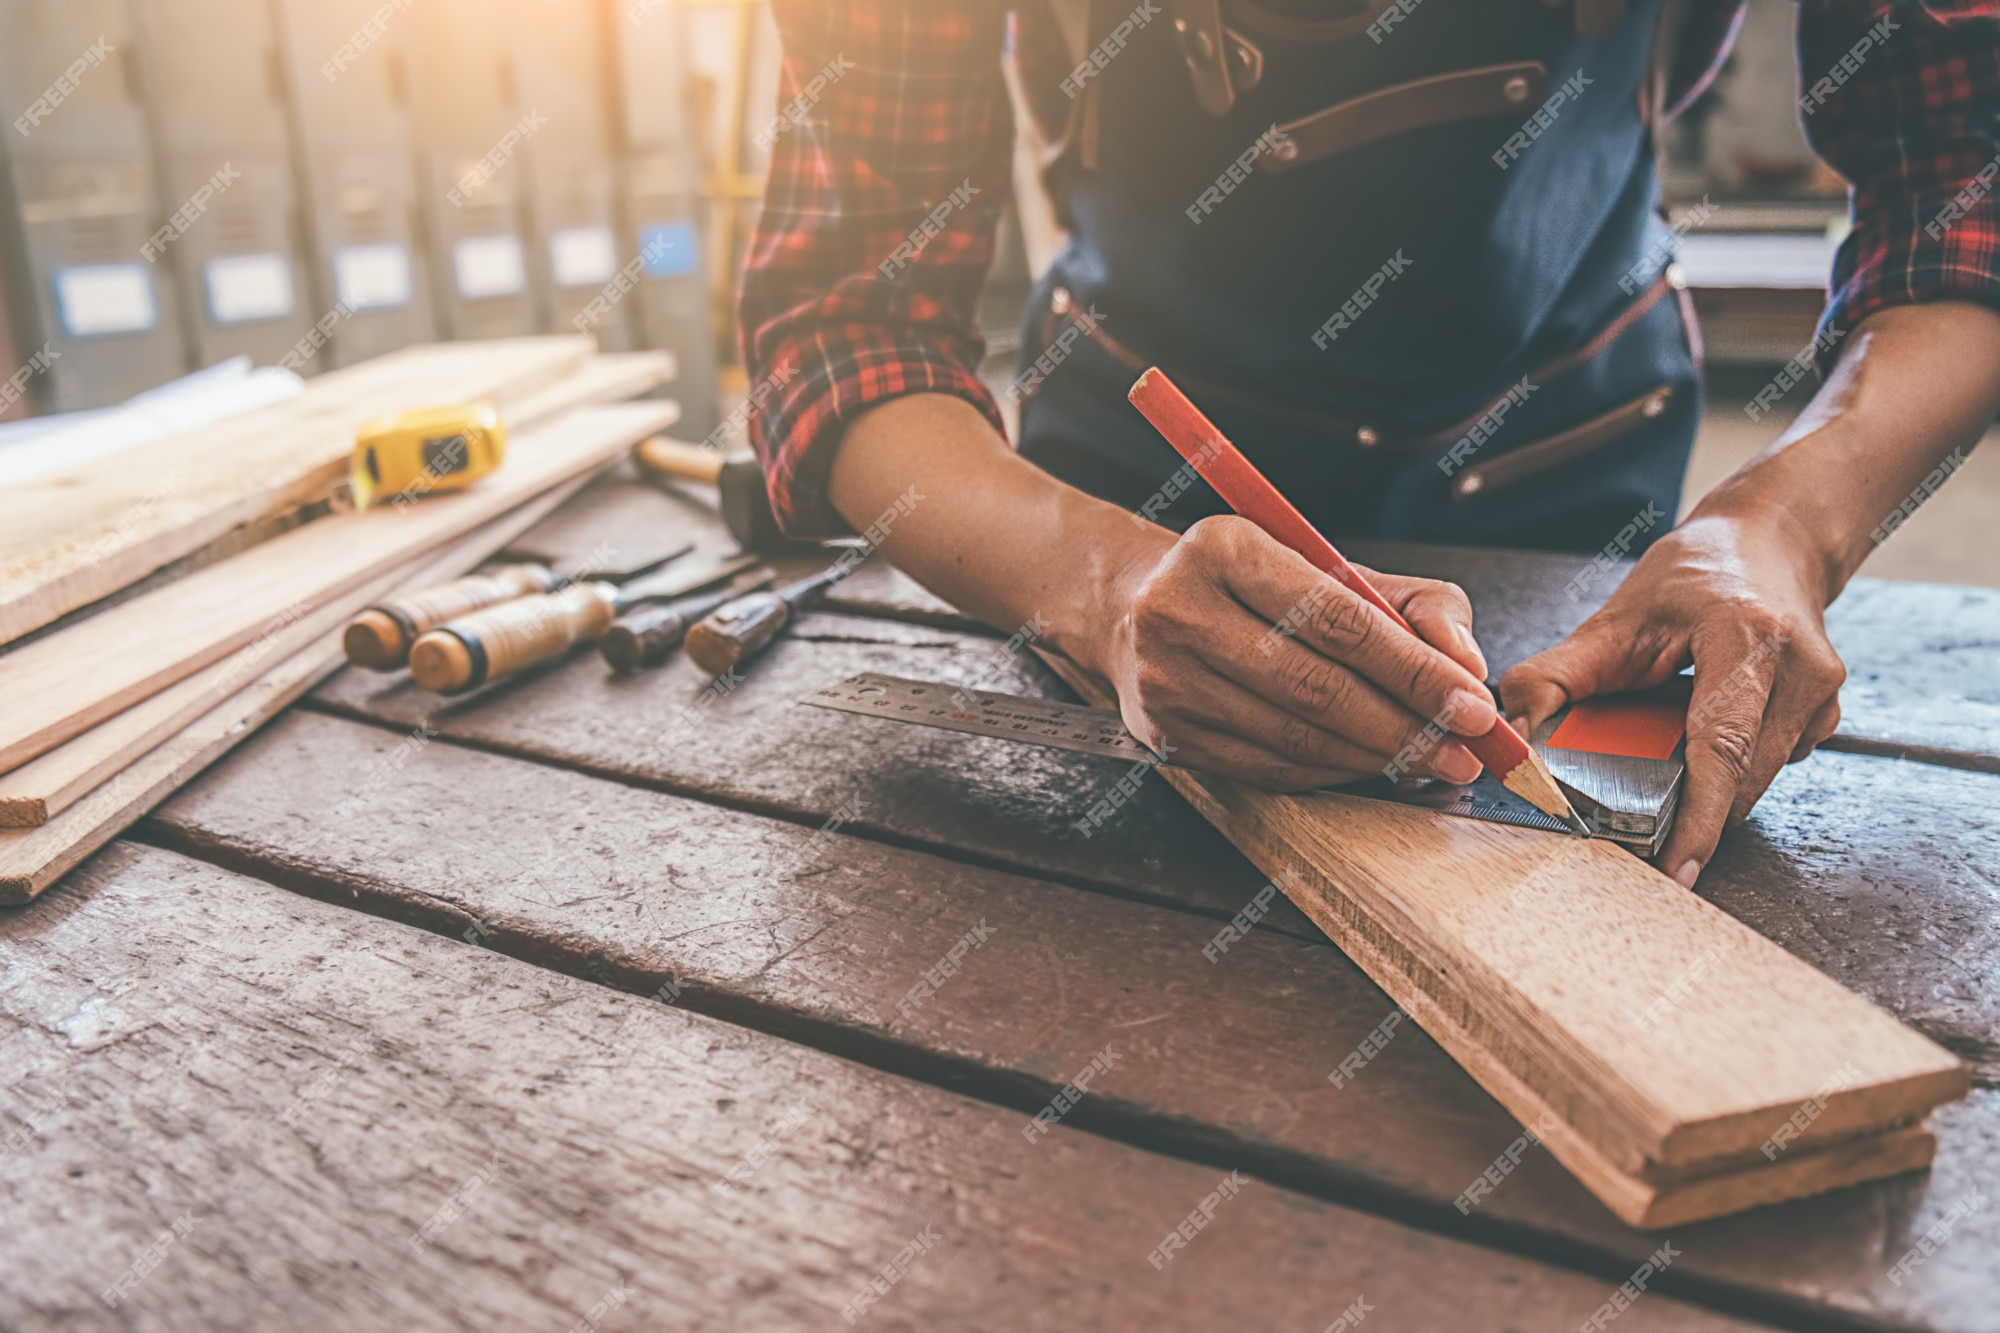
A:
[1599,657]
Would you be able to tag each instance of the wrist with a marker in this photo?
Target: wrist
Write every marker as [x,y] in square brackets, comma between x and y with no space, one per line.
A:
[1123,555]
[1776,534]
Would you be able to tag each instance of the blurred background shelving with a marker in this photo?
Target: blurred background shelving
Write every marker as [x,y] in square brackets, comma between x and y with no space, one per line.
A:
[352,125]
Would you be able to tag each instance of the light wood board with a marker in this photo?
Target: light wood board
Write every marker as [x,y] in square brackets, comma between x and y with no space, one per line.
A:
[46,785]
[60,686]
[71,537]
[31,859]
[1661,1041]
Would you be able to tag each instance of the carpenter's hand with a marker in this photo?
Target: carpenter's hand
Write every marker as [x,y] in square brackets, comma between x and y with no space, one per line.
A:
[1203,664]
[1741,600]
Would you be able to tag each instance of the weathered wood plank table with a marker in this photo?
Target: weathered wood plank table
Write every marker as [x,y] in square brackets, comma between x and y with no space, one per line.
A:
[584,1003]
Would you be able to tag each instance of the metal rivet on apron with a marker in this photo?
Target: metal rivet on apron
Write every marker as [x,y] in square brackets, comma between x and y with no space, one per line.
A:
[1200,44]
[1059,301]
[1515,89]
[1677,277]
[1285,149]
[1654,405]
[1470,483]
[1367,437]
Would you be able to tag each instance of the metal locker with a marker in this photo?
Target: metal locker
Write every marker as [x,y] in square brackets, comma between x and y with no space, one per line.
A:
[656,138]
[346,78]
[231,233]
[472,128]
[80,200]
[561,59]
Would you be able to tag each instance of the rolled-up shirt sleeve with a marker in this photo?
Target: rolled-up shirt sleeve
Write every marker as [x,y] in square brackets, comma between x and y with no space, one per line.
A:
[1903,100]
[889,171]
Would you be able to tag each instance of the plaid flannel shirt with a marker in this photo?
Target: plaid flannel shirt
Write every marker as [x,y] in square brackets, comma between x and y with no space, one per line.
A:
[892,154]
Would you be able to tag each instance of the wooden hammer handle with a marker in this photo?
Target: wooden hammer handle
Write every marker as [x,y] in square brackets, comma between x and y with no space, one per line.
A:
[380,637]
[677,458]
[510,637]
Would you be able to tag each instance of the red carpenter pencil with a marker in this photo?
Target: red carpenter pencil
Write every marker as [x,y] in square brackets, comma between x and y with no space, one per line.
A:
[1246,490]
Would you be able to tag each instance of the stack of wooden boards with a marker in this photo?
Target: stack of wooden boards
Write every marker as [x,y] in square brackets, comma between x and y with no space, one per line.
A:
[1678,1063]
[126,692]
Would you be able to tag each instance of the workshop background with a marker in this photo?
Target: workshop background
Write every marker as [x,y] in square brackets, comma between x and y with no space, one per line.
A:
[334,187]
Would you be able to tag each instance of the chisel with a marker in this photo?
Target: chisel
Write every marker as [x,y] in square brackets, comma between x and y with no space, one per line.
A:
[1246,490]
[648,636]
[380,637]
[737,631]
[469,651]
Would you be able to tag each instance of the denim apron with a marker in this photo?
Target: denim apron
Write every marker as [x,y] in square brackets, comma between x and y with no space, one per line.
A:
[1421,281]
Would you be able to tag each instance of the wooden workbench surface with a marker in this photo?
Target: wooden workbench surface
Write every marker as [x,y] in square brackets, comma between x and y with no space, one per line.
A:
[566,1003]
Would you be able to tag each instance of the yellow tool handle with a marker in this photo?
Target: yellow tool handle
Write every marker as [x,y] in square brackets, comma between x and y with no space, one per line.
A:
[486,645]
[737,631]
[380,637]
[675,458]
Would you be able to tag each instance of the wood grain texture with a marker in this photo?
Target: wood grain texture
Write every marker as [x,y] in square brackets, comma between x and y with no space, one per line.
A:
[1923,668]
[1522,954]
[69,682]
[307,1088]
[757,746]
[69,538]
[819,936]
[242,693]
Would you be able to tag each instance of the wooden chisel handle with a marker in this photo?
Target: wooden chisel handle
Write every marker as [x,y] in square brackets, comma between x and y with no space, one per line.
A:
[472,650]
[737,631]
[645,637]
[380,637]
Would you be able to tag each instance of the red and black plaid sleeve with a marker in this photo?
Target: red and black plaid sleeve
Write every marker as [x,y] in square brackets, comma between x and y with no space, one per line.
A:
[863,276]
[1903,100]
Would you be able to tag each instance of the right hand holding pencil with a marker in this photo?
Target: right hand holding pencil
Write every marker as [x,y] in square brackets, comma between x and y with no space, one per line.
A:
[1250,663]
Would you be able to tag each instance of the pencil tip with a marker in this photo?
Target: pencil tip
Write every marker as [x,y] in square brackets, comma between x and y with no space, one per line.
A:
[1531,780]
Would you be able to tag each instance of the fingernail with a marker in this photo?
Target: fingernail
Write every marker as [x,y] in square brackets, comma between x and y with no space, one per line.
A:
[1455,763]
[1690,871]
[1461,704]
[1471,645]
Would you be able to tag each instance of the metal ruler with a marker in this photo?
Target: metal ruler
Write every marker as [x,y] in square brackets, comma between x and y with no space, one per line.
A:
[1098,731]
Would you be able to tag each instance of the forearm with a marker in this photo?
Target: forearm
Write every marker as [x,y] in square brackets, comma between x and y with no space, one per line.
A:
[1915,385]
[993,534]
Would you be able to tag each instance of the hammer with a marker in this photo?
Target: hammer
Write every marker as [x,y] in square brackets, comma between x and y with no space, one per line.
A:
[745,504]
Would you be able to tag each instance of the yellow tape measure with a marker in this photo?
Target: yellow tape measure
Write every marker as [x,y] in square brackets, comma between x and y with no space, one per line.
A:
[401,458]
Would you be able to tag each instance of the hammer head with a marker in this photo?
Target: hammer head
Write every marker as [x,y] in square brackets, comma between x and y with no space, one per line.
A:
[746,504]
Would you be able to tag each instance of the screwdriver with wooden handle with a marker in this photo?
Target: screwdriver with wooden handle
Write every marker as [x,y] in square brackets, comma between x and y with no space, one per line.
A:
[737,631]
[467,652]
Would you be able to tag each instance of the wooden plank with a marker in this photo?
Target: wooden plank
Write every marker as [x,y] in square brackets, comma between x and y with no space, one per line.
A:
[71,681]
[1923,671]
[1521,953]
[33,858]
[308,1089]
[819,936]
[41,788]
[757,747]
[68,538]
